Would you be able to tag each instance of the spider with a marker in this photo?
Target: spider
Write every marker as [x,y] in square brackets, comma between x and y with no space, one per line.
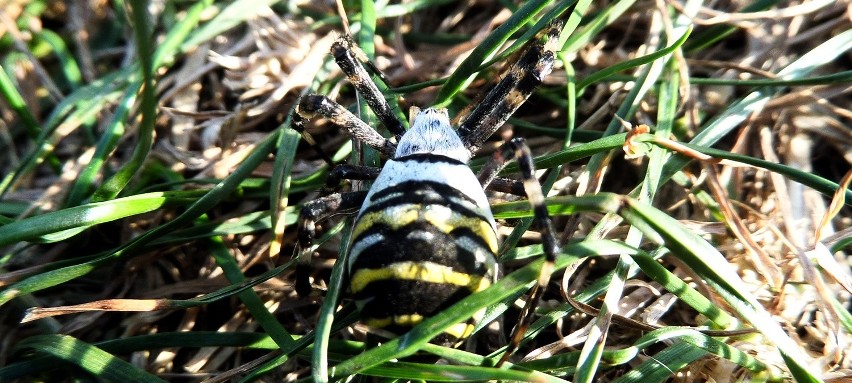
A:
[424,236]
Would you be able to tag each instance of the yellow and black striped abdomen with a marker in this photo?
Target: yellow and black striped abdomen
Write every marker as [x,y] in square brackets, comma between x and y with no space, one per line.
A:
[419,245]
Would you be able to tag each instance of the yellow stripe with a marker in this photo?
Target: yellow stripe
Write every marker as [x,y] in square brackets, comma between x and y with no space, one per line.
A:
[460,330]
[442,217]
[378,322]
[405,320]
[408,320]
[420,271]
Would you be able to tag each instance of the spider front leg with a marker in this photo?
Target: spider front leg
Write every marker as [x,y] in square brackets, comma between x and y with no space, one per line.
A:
[349,57]
[517,149]
[312,105]
[533,65]
[311,213]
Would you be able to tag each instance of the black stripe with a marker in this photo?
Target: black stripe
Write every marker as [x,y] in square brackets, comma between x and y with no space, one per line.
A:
[443,249]
[387,298]
[425,193]
[429,158]
[422,186]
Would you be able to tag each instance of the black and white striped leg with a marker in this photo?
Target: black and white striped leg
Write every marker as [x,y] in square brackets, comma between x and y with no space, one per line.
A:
[312,105]
[311,213]
[517,149]
[349,58]
[533,65]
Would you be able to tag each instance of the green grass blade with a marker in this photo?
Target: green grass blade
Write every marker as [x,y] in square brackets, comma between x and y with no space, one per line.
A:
[202,205]
[451,373]
[85,216]
[605,17]
[143,36]
[659,367]
[740,110]
[231,16]
[718,32]
[89,358]
[704,342]
[590,355]
[571,154]
[629,64]
[82,105]
[110,138]
[366,35]
[686,293]
[68,63]
[150,60]
[40,364]
[576,8]
[705,260]
[465,73]
[176,39]
[388,11]
[328,309]
[16,102]
[828,79]
[253,303]
[820,184]
[279,197]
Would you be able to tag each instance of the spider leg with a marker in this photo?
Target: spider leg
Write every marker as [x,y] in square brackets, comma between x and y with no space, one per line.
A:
[314,104]
[506,185]
[517,149]
[533,65]
[347,172]
[349,58]
[350,172]
[298,125]
[311,213]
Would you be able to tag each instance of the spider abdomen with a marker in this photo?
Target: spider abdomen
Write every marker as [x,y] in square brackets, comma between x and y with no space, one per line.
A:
[423,240]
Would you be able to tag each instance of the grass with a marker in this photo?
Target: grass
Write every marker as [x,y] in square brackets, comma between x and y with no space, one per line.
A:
[151,183]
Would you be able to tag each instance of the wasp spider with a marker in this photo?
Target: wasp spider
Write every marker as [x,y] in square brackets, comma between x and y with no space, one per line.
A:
[424,236]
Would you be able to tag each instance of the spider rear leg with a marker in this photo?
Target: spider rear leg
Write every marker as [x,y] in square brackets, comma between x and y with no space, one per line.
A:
[517,149]
[311,213]
[349,57]
[527,73]
[312,105]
